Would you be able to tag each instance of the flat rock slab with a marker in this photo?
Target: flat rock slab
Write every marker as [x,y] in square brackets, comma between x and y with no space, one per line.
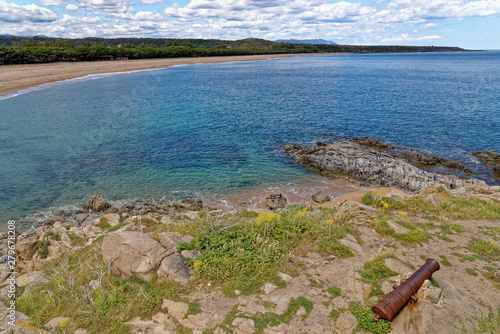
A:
[375,167]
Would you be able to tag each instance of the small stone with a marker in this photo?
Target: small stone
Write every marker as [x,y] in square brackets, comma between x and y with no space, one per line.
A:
[397,266]
[176,309]
[302,311]
[237,292]
[397,228]
[285,277]
[56,322]
[346,323]
[190,254]
[269,288]
[244,325]
[354,246]
[433,294]
[386,287]
[321,197]
[434,200]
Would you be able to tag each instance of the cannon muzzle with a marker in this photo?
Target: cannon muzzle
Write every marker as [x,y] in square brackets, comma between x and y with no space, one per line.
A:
[395,300]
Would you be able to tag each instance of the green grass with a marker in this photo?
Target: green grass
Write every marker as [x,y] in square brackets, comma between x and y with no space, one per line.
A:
[444,261]
[376,270]
[335,291]
[471,271]
[464,257]
[194,307]
[489,323]
[254,249]
[365,315]
[434,282]
[102,311]
[413,236]
[484,249]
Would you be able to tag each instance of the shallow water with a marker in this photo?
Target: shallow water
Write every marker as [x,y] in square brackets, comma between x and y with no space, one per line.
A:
[213,129]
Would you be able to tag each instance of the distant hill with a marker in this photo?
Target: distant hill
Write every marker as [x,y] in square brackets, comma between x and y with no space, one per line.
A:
[305,41]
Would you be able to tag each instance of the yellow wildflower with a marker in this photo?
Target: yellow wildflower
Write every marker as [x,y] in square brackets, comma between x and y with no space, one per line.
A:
[386,205]
[62,323]
[301,213]
[197,264]
[48,301]
[266,217]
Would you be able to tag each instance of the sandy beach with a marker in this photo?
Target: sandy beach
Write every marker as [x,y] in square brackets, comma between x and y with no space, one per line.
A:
[16,77]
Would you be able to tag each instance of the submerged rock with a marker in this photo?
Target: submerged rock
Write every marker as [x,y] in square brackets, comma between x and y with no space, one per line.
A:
[375,167]
[491,159]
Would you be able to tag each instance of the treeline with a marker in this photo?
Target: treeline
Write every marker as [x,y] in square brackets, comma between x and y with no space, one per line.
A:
[44,50]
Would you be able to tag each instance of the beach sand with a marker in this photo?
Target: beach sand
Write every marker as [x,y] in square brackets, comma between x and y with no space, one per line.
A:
[16,77]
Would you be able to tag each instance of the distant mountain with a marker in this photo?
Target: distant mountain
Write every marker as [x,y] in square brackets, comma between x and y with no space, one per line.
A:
[305,41]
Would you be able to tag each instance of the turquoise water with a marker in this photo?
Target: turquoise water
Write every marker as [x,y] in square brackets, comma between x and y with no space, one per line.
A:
[206,129]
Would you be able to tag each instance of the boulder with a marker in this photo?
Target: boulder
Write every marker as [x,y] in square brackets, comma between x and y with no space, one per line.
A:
[320,197]
[133,254]
[173,268]
[275,201]
[98,203]
[243,325]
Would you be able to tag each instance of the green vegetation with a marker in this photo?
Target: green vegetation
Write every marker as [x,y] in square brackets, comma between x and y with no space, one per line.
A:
[434,282]
[374,271]
[471,271]
[335,291]
[364,316]
[21,50]
[246,252]
[105,310]
[444,261]
[414,235]
[486,323]
[484,249]
[263,320]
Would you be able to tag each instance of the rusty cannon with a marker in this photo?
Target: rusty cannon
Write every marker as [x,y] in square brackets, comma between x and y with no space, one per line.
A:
[395,300]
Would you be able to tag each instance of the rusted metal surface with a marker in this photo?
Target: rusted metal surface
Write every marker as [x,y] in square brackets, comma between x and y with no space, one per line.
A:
[395,300]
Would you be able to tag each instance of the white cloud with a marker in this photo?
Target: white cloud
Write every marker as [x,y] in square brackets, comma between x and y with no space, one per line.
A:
[71,8]
[52,2]
[10,12]
[107,6]
[150,2]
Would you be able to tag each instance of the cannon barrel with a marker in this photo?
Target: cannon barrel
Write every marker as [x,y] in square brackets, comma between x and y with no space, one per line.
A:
[395,300]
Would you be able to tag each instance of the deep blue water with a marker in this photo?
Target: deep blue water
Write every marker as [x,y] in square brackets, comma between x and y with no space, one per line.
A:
[206,129]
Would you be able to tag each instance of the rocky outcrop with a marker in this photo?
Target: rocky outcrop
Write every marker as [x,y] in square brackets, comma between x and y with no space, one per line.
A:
[491,159]
[275,201]
[133,254]
[138,254]
[374,167]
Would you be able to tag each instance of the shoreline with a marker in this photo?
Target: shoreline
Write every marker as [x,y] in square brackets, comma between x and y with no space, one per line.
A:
[19,77]
[297,191]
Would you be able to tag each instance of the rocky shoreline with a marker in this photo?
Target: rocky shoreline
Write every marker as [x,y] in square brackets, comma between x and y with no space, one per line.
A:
[140,241]
[372,163]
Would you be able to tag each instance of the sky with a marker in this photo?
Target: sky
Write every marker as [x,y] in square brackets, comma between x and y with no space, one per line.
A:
[468,24]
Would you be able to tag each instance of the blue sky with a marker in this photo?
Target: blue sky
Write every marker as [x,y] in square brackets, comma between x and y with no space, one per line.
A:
[468,24]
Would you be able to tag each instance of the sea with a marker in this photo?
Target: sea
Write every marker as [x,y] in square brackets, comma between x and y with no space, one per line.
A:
[216,130]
